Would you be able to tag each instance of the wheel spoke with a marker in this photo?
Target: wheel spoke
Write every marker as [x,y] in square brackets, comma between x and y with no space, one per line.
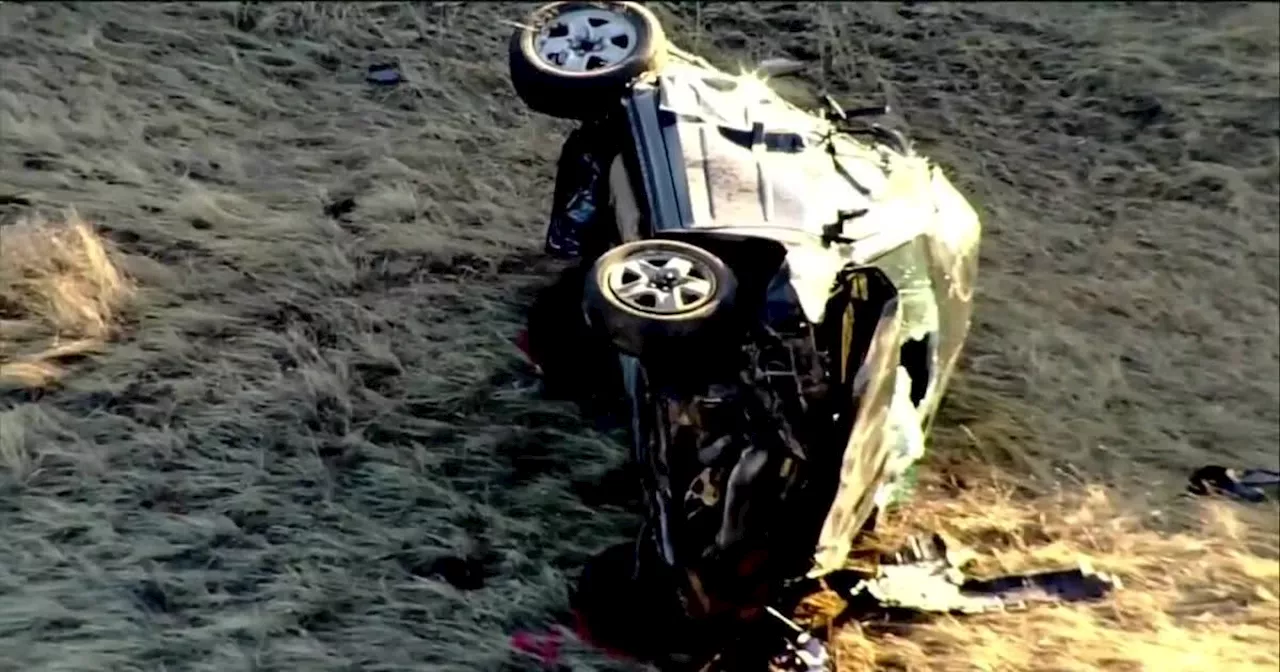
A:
[696,287]
[679,265]
[633,289]
[651,270]
[611,54]
[552,46]
[579,24]
[641,268]
[614,29]
[668,302]
[575,61]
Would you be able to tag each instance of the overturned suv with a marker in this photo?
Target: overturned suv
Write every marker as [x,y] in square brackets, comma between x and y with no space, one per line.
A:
[783,294]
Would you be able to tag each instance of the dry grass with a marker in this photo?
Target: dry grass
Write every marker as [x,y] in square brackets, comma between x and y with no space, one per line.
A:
[1199,587]
[60,298]
[307,415]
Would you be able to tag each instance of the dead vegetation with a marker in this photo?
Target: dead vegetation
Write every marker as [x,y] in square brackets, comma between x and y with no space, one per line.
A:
[1199,586]
[313,447]
[60,298]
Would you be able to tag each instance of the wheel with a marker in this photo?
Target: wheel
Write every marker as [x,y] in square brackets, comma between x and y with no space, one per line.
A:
[658,295]
[574,60]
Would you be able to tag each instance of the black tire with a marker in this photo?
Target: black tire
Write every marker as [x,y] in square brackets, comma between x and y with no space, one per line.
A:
[644,332]
[582,95]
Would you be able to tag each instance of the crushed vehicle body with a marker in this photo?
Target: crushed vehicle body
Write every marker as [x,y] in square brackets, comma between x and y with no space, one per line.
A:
[784,294]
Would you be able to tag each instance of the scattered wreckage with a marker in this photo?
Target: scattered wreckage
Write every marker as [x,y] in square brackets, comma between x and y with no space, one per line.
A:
[782,296]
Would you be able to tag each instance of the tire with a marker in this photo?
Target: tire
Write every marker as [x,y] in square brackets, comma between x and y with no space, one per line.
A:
[685,313]
[570,93]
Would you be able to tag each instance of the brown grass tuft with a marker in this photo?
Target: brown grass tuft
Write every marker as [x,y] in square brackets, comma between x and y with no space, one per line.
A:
[61,297]
[1199,586]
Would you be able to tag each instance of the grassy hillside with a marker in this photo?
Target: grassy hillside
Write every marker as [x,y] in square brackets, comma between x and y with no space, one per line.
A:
[239,432]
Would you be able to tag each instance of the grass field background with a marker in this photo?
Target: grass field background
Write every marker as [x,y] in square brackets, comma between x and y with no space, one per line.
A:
[239,433]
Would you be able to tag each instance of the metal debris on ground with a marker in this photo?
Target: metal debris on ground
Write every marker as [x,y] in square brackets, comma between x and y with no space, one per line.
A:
[802,653]
[926,577]
[386,74]
[1244,485]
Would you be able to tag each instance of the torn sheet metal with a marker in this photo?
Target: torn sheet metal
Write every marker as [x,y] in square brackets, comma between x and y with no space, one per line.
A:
[802,652]
[928,578]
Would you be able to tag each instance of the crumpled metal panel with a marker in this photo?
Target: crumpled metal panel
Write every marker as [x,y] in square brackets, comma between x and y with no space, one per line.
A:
[952,258]
[867,452]
[942,265]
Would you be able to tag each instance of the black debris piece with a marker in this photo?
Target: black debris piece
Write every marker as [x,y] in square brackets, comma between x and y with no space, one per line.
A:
[463,573]
[385,74]
[1244,485]
[14,199]
[1081,584]
[340,208]
[37,163]
[151,596]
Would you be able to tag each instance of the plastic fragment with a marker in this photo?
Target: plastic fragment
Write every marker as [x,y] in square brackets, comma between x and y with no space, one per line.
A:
[386,74]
